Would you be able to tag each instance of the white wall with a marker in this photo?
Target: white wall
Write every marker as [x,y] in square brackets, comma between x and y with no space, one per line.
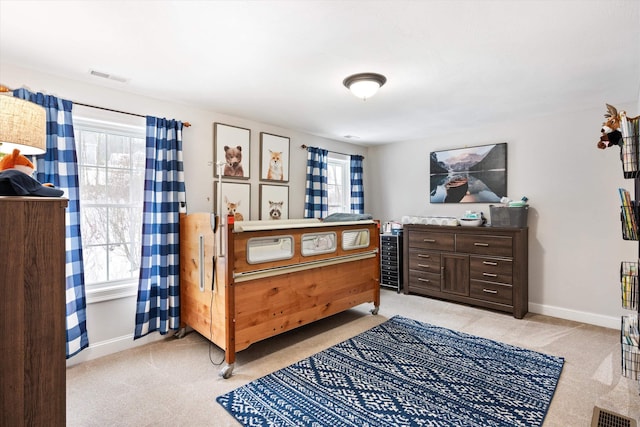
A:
[110,324]
[575,243]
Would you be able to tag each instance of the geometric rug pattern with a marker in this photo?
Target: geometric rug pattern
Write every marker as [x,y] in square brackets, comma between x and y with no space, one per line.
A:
[404,373]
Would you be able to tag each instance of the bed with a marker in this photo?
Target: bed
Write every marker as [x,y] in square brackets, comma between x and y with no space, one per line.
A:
[251,280]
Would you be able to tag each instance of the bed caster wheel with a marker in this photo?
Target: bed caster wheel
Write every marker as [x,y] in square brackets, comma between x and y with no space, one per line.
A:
[375,310]
[226,371]
[181,333]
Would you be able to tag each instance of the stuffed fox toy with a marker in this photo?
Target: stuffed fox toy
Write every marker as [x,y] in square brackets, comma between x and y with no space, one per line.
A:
[15,160]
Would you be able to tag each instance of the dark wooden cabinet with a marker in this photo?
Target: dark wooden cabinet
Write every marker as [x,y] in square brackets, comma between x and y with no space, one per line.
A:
[482,266]
[391,261]
[32,311]
[455,274]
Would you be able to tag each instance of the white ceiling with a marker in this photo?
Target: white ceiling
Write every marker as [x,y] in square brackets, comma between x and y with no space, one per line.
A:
[449,64]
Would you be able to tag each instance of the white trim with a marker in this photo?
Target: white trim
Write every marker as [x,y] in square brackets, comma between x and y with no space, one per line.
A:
[96,294]
[575,315]
[114,345]
[89,116]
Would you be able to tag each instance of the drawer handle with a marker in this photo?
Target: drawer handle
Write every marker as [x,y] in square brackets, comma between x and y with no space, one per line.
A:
[489,263]
[429,240]
[424,265]
[420,279]
[489,275]
[424,256]
[481,244]
[489,291]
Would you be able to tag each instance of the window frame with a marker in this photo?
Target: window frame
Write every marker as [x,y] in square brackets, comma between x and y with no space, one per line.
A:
[114,124]
[342,161]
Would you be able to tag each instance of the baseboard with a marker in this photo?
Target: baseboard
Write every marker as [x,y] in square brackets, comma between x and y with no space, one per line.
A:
[114,345]
[126,342]
[575,315]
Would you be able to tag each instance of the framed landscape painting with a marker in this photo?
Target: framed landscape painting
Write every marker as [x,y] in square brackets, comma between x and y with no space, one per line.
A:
[469,175]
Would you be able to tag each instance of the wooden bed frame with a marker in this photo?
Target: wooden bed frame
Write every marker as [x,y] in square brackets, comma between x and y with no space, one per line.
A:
[245,299]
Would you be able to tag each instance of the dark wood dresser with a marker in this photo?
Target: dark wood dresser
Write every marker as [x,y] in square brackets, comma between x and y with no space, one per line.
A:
[480,266]
[32,311]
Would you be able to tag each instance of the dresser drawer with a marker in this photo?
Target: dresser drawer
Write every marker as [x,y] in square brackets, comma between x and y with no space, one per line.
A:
[485,245]
[386,259]
[390,248]
[390,266]
[431,240]
[388,240]
[491,269]
[502,294]
[424,261]
[424,280]
[388,279]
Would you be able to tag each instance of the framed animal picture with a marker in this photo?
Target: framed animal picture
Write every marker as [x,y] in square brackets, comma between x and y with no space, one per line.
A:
[274,202]
[231,145]
[274,158]
[235,198]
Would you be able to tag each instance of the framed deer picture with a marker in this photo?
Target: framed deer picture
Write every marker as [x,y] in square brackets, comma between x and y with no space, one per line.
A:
[236,200]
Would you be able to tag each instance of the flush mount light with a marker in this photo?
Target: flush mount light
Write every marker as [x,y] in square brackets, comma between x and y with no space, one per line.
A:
[364,85]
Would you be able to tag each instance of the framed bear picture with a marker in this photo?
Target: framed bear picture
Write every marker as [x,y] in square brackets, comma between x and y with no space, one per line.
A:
[274,202]
[274,158]
[231,146]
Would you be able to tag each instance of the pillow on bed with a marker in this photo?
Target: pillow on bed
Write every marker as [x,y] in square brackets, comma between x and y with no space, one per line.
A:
[339,217]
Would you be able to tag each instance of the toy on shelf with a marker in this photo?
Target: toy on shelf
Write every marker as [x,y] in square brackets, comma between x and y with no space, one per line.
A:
[16,178]
[610,132]
[15,160]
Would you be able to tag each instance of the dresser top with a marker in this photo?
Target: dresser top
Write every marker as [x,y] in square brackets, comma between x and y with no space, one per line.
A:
[13,199]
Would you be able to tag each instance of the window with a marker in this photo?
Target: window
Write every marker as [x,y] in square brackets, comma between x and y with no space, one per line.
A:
[111,167]
[338,183]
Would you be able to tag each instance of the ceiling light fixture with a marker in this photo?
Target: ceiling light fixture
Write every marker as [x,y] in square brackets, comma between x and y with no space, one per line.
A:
[364,85]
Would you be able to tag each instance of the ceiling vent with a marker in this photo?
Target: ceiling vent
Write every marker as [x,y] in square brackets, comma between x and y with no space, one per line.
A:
[108,76]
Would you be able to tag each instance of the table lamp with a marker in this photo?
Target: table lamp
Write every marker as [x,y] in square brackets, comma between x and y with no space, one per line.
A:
[22,125]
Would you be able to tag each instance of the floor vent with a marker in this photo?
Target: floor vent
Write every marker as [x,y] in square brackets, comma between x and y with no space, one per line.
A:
[604,418]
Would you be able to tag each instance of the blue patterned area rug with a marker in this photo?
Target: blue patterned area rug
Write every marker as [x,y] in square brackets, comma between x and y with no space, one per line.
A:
[404,373]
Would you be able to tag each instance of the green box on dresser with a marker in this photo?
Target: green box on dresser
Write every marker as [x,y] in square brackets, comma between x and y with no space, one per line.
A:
[481,266]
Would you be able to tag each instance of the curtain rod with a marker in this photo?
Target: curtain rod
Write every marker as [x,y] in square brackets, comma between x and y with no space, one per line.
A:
[185,124]
[335,152]
[3,88]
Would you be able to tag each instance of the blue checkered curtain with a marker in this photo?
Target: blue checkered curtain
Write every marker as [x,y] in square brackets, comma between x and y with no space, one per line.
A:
[357,188]
[316,199]
[59,166]
[158,306]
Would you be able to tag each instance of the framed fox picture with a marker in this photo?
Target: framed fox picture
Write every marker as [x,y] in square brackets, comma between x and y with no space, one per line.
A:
[274,158]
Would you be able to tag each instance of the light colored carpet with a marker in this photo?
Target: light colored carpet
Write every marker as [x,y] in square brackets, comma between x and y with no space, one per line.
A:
[174,383]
